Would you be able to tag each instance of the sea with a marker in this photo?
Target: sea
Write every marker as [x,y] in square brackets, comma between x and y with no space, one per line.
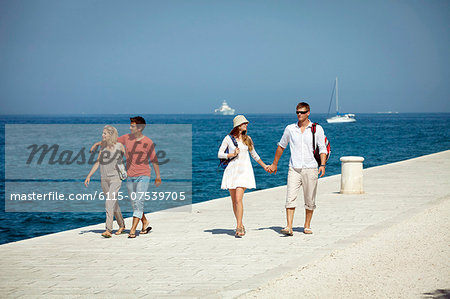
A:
[379,138]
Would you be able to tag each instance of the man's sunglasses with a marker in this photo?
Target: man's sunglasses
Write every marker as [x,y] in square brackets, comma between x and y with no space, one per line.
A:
[302,112]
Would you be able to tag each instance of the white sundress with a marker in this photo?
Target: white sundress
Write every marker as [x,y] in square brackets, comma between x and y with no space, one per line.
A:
[239,172]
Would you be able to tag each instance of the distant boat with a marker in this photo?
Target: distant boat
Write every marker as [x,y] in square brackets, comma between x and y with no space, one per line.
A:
[339,118]
[388,112]
[224,109]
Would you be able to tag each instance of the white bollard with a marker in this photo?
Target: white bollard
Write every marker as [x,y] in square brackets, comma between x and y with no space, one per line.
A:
[352,175]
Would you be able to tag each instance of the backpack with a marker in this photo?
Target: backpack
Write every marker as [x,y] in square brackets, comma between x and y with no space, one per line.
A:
[224,162]
[316,147]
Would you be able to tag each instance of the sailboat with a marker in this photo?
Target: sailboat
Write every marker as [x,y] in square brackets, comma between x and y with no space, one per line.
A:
[339,118]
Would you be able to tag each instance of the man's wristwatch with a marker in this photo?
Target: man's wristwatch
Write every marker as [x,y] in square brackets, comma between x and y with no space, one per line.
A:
[322,166]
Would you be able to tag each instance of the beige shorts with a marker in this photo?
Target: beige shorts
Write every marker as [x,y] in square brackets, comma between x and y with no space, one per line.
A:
[298,177]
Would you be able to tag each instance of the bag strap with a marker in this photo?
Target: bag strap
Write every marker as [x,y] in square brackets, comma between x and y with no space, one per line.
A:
[313,130]
[234,140]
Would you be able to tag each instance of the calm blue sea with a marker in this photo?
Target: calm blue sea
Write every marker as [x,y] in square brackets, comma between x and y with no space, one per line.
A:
[379,138]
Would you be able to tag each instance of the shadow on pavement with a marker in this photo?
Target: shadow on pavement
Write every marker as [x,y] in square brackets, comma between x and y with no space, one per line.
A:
[220,231]
[438,294]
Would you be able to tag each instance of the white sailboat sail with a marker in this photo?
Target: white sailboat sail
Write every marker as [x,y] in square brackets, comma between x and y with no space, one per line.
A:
[339,118]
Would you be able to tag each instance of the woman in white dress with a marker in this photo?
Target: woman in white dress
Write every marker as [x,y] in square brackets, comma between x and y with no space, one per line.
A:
[238,176]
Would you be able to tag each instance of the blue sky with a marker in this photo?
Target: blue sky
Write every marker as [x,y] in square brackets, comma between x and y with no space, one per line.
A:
[187,56]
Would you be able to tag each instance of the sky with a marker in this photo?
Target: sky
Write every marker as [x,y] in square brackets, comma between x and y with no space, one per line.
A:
[149,57]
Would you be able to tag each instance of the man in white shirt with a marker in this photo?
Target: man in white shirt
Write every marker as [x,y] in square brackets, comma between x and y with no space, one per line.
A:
[302,165]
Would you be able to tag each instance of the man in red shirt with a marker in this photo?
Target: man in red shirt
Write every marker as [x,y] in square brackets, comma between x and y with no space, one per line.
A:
[139,151]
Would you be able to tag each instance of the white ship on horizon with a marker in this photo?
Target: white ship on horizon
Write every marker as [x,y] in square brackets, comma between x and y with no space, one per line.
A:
[224,109]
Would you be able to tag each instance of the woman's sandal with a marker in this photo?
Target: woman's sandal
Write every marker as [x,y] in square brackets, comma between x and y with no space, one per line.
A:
[131,236]
[121,230]
[240,232]
[287,231]
[307,231]
[106,235]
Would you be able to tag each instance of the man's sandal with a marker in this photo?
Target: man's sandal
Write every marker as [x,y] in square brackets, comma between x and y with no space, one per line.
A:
[131,236]
[307,231]
[287,231]
[146,230]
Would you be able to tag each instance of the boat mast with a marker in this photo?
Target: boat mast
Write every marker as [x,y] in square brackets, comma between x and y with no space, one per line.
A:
[331,99]
[337,107]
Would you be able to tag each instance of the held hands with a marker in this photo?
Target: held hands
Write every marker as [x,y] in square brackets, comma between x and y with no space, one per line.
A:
[272,169]
[236,152]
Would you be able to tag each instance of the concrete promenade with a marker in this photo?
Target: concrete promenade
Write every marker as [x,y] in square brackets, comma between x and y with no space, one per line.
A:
[195,254]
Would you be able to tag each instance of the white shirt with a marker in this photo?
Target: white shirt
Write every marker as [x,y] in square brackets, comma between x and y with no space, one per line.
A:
[301,145]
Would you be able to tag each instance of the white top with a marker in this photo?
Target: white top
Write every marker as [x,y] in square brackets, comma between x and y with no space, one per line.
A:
[301,145]
[352,159]
[239,172]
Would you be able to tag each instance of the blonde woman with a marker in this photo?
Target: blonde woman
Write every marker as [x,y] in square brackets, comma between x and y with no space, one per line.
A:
[111,153]
[238,176]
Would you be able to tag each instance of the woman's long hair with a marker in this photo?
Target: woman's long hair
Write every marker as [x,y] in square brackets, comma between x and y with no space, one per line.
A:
[112,138]
[245,138]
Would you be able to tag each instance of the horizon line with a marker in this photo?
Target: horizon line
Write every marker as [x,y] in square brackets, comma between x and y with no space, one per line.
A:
[183,113]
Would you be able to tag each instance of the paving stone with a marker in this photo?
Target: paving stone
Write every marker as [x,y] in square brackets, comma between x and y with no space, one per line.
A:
[190,255]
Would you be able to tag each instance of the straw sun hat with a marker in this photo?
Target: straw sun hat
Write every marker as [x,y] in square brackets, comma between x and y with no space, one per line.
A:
[239,120]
